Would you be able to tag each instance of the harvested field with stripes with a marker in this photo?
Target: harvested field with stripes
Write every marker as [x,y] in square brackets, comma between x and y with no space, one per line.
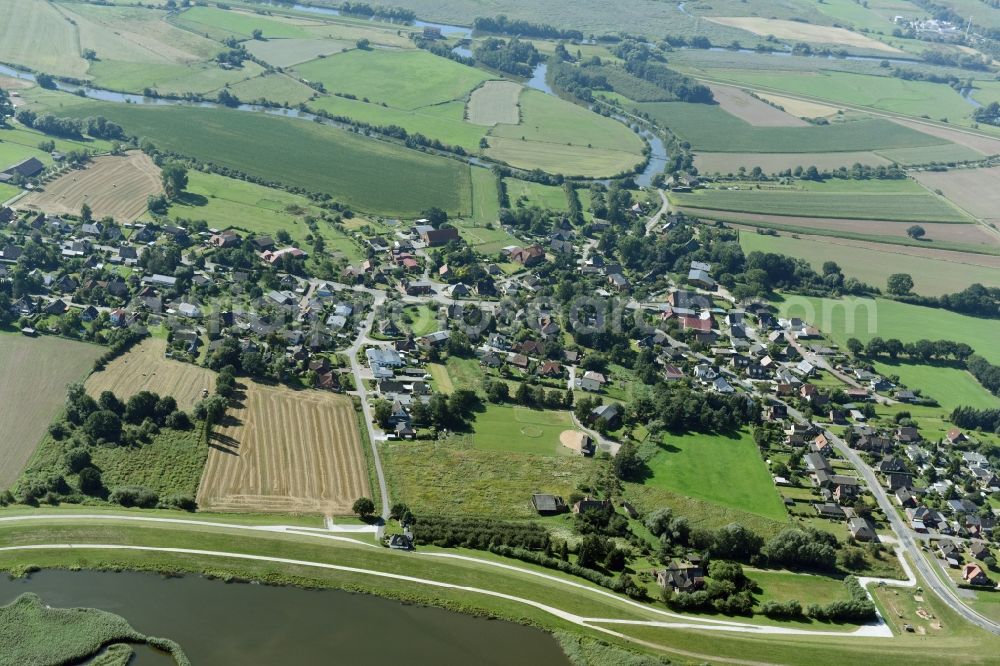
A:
[112,186]
[145,368]
[285,451]
[494,102]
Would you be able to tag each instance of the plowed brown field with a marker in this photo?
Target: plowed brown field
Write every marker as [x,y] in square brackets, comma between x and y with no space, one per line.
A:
[285,451]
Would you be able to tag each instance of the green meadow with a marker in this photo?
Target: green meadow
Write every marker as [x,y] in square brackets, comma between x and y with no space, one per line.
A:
[951,387]
[865,318]
[226,203]
[535,194]
[370,175]
[725,470]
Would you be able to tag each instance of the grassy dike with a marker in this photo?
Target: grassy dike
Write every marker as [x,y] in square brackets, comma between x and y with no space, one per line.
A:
[957,643]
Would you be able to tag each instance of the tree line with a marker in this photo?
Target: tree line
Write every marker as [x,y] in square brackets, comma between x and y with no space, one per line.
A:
[501,25]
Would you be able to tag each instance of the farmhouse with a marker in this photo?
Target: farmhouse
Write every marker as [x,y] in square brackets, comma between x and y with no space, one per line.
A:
[528,256]
[434,237]
[681,577]
[592,381]
[274,256]
[547,505]
[28,168]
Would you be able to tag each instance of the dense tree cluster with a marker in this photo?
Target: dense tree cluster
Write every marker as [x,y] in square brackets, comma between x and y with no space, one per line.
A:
[501,25]
[641,62]
[969,417]
[508,55]
[479,533]
[921,350]
[676,407]
[396,14]
[987,373]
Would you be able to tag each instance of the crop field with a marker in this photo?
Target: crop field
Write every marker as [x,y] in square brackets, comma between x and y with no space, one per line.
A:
[135,35]
[370,175]
[285,451]
[804,32]
[985,145]
[494,102]
[951,387]
[274,88]
[751,110]
[944,273]
[903,206]
[36,372]
[169,78]
[726,163]
[949,152]
[535,194]
[973,190]
[800,107]
[456,478]
[112,186]
[720,469]
[710,128]
[145,368]
[400,79]
[865,318]
[521,430]
[289,52]
[913,98]
[34,34]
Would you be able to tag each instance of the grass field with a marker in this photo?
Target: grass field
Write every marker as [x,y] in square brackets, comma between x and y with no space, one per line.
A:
[400,79]
[787,586]
[285,451]
[724,470]
[951,387]
[229,203]
[873,263]
[459,479]
[288,52]
[220,23]
[535,194]
[485,204]
[18,143]
[370,175]
[145,368]
[560,137]
[494,102]
[900,201]
[521,430]
[865,318]
[36,373]
[278,88]
[112,186]
[710,128]
[949,152]
[34,34]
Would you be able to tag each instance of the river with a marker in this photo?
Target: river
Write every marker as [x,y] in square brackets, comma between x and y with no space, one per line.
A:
[238,623]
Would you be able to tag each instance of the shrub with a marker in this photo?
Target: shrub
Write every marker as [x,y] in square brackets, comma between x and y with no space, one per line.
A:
[138,496]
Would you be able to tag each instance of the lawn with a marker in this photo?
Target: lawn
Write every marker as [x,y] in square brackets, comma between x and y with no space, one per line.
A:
[865,318]
[710,128]
[401,79]
[421,319]
[521,430]
[457,478]
[551,197]
[229,203]
[951,387]
[715,468]
[866,203]
[19,143]
[364,173]
[787,586]
[36,372]
[457,373]
[873,264]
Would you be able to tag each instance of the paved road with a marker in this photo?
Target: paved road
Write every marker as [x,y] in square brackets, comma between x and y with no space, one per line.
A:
[664,209]
[374,435]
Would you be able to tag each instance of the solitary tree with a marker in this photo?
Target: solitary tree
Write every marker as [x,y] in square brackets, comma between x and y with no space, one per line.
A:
[364,507]
[855,346]
[175,179]
[900,284]
[916,232]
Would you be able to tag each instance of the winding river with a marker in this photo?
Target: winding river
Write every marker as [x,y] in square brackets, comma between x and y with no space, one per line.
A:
[238,623]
